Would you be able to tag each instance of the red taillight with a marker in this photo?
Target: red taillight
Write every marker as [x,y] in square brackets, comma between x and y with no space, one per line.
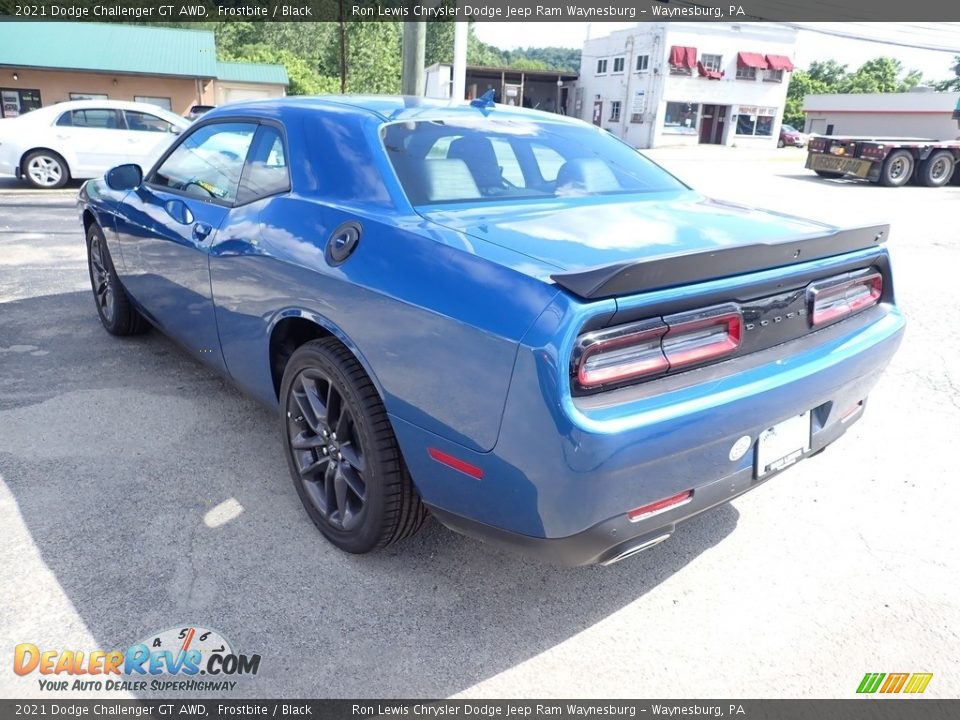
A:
[653,347]
[625,353]
[655,508]
[835,299]
[708,336]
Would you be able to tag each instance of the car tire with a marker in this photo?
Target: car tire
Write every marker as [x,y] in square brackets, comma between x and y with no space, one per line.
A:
[117,313]
[342,454]
[780,143]
[45,170]
[897,169]
[937,170]
[828,174]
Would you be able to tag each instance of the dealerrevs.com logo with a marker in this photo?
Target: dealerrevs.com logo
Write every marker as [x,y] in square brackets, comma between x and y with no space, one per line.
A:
[188,658]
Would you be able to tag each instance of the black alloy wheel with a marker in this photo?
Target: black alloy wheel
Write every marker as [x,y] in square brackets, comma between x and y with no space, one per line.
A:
[117,314]
[342,453]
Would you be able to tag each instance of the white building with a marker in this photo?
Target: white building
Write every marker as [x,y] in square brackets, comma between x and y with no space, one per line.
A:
[912,114]
[687,83]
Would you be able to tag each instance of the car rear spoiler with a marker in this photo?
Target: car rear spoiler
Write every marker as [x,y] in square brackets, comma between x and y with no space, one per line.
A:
[631,277]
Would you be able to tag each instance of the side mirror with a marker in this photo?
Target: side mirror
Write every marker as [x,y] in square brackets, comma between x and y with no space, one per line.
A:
[124,177]
[176,129]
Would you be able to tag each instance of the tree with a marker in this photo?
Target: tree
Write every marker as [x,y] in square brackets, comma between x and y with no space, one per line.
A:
[880,75]
[951,84]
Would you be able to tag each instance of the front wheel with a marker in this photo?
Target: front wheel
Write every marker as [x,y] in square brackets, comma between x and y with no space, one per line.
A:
[341,451]
[117,314]
[45,169]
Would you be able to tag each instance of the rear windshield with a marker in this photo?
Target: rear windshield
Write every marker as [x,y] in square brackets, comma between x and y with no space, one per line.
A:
[483,159]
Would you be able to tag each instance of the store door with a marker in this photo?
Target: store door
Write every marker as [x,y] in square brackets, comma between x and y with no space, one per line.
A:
[713,123]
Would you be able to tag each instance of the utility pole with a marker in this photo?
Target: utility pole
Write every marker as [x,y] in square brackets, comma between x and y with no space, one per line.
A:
[414,51]
[460,34]
[343,51]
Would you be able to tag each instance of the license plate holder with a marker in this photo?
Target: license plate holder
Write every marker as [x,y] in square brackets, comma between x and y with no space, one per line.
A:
[780,446]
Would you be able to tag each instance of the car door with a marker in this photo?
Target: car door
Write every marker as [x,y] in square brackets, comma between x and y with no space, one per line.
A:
[169,224]
[94,136]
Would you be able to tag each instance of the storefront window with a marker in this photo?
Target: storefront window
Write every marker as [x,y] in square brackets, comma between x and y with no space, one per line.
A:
[681,118]
[757,121]
[14,102]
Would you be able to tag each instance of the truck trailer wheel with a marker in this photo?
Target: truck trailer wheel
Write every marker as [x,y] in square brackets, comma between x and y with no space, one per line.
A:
[897,169]
[937,169]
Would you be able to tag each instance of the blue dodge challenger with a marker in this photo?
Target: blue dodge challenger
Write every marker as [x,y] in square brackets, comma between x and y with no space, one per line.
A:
[509,320]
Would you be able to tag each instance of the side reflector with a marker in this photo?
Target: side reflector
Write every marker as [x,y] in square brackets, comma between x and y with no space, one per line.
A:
[655,508]
[832,300]
[456,463]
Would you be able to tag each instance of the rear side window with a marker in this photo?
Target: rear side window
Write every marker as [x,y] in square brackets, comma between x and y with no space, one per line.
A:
[146,122]
[208,162]
[91,118]
[266,172]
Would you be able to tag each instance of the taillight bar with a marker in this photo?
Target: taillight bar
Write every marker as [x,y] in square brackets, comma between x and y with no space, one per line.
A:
[831,300]
[623,353]
[653,347]
[705,335]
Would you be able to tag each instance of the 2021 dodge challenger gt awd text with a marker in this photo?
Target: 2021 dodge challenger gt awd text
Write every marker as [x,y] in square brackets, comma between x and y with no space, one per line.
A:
[508,319]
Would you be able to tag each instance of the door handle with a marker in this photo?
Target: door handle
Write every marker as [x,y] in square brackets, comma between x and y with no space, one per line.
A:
[201,230]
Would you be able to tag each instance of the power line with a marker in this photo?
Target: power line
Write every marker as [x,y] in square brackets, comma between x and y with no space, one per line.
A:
[881,41]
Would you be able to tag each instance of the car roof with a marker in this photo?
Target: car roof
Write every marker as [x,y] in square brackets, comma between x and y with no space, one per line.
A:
[392,108]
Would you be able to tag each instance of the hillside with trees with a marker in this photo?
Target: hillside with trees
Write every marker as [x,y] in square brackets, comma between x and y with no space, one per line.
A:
[372,59]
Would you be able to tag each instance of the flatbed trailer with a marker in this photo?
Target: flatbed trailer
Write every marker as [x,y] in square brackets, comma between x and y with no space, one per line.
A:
[886,161]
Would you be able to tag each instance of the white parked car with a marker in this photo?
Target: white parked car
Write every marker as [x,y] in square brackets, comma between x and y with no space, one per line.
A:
[83,139]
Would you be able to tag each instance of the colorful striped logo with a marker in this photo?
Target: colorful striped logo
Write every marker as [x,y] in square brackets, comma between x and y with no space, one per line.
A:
[914,683]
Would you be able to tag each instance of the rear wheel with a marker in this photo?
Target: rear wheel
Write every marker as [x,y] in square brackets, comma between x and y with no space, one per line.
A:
[342,454]
[937,169]
[117,313]
[897,169]
[45,169]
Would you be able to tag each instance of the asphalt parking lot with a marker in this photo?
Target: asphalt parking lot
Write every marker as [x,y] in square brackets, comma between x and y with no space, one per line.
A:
[139,491]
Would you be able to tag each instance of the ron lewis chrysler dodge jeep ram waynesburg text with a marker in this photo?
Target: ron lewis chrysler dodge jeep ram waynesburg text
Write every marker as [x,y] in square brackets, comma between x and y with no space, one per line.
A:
[507,319]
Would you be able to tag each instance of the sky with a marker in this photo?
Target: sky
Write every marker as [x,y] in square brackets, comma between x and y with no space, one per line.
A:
[935,65]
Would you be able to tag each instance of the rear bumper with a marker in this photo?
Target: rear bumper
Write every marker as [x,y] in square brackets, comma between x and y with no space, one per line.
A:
[565,472]
[618,538]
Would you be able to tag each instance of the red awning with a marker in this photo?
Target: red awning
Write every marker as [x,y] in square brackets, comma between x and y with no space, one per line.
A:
[751,60]
[681,56]
[709,74]
[780,62]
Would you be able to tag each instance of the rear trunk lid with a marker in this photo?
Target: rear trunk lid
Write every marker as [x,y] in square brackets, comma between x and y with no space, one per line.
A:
[607,246]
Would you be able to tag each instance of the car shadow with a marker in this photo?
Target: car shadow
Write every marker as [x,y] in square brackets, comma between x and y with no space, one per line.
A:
[157,495]
[8,182]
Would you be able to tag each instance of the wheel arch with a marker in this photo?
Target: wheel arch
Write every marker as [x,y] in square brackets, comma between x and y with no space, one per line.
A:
[293,327]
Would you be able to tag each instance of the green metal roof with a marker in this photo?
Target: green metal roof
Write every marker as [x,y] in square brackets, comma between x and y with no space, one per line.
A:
[109,48]
[252,73]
